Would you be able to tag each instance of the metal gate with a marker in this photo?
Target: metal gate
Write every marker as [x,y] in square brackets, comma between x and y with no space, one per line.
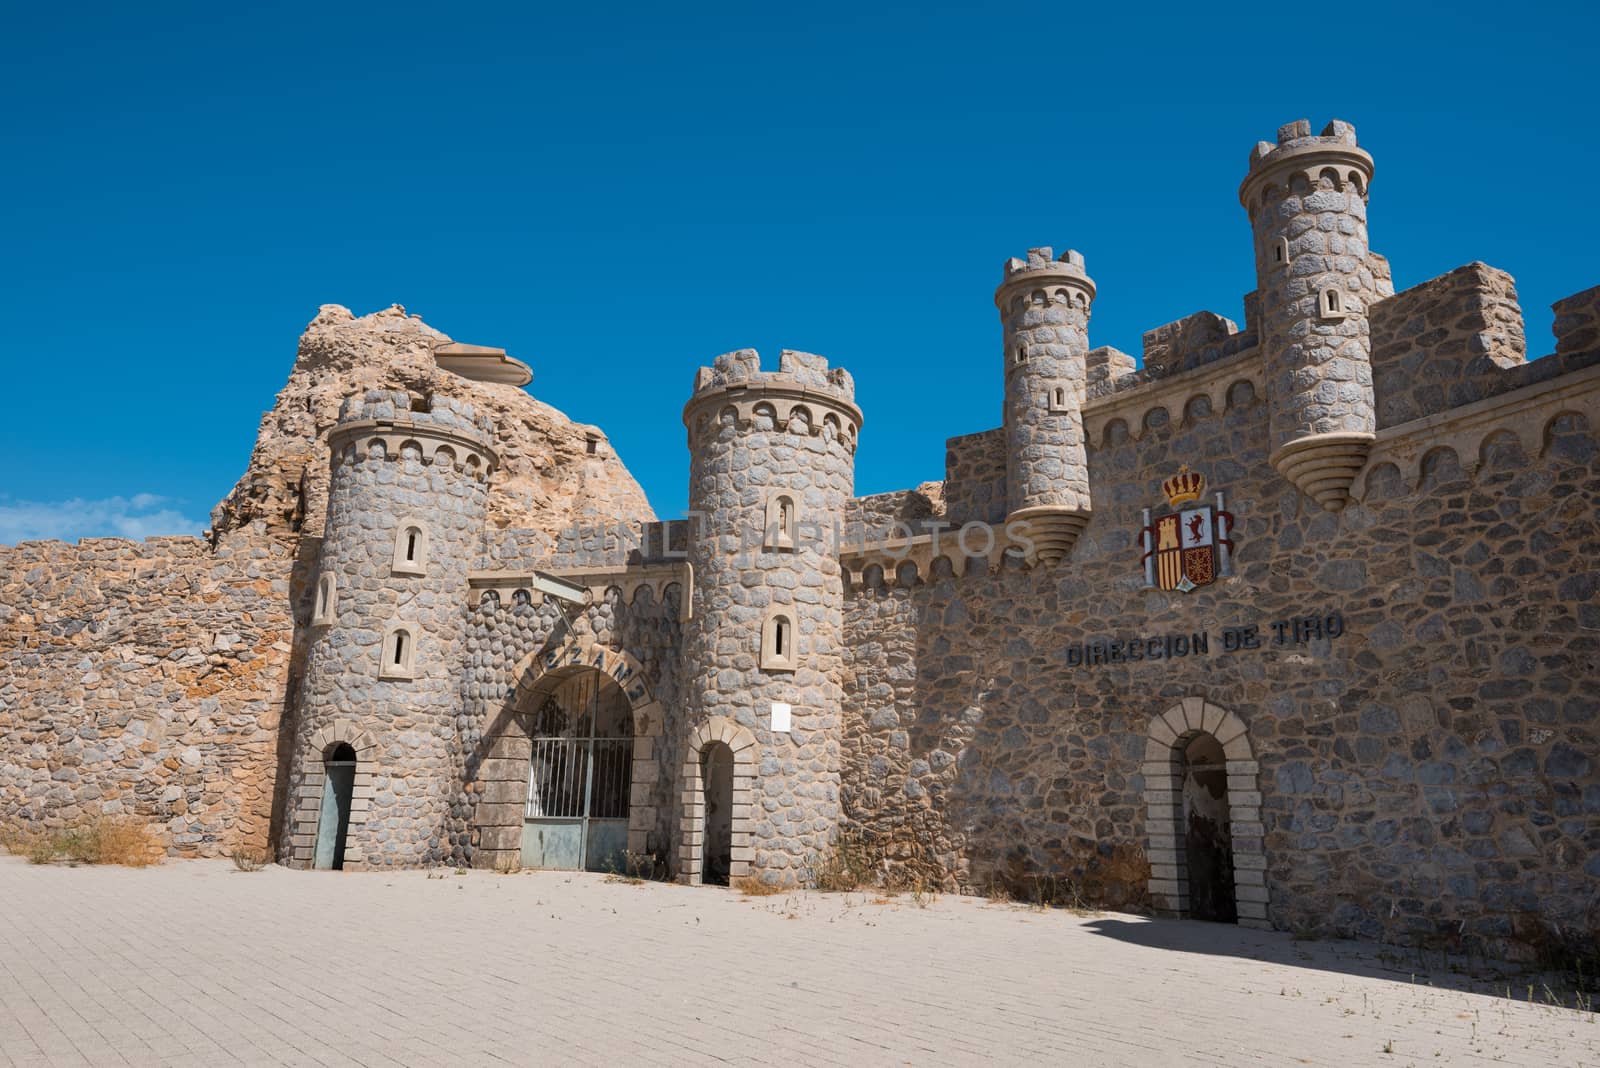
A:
[580,778]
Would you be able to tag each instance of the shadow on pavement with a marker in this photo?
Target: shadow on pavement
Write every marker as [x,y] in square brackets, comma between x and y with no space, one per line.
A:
[1366,959]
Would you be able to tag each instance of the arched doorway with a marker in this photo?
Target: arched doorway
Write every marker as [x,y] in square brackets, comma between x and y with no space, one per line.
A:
[1203,816]
[338,789]
[580,776]
[1208,835]
[715,745]
[716,772]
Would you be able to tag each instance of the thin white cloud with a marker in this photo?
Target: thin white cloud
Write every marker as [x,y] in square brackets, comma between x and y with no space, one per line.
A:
[139,516]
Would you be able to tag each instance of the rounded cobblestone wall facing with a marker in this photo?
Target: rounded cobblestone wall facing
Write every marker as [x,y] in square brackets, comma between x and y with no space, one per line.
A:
[1044,309]
[1307,199]
[767,622]
[406,512]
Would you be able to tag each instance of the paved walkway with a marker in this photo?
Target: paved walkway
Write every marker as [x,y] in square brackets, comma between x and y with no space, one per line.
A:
[196,963]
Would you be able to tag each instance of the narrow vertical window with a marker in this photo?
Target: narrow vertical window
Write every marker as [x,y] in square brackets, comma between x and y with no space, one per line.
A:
[410,549]
[324,605]
[399,653]
[778,642]
[781,518]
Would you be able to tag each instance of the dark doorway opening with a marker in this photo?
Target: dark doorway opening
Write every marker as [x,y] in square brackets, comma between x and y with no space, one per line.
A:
[716,771]
[1208,839]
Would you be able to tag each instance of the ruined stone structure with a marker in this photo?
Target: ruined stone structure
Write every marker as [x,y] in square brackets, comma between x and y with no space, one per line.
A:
[1293,625]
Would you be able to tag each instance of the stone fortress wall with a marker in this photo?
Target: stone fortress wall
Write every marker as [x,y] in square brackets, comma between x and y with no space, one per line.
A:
[1417,758]
[145,678]
[160,679]
[1398,672]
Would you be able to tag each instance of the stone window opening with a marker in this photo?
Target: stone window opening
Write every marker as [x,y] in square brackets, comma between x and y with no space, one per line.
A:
[399,652]
[410,549]
[1021,354]
[1280,251]
[1058,399]
[325,606]
[778,642]
[781,525]
[1330,304]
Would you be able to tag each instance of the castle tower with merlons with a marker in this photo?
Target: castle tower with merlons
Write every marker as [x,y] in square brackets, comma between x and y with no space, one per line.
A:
[1044,307]
[1317,280]
[377,741]
[771,469]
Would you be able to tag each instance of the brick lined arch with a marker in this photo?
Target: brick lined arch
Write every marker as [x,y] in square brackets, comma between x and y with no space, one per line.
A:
[1169,733]
[308,797]
[743,744]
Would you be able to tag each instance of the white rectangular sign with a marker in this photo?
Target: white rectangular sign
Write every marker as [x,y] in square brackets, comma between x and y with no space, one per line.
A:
[780,717]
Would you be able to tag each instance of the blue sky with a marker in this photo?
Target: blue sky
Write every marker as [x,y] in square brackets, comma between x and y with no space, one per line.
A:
[617,193]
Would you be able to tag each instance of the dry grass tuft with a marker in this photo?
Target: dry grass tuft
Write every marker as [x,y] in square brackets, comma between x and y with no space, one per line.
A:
[847,866]
[120,840]
[752,885]
[246,859]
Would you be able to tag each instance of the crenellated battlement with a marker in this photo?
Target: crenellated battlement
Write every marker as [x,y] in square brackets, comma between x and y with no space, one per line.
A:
[1043,278]
[386,424]
[803,395]
[1334,154]
[446,413]
[802,370]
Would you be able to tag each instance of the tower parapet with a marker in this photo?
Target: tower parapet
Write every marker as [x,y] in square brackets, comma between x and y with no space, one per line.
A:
[1044,305]
[772,465]
[1317,279]
[375,768]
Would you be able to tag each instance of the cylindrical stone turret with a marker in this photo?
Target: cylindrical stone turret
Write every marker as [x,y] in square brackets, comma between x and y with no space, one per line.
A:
[1307,199]
[1044,311]
[772,465]
[376,762]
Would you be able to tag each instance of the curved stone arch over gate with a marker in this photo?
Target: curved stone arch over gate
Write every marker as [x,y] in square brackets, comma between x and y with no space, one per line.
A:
[691,851]
[503,774]
[308,796]
[1169,733]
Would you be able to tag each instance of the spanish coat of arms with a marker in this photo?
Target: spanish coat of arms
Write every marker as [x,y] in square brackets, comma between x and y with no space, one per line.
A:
[1187,547]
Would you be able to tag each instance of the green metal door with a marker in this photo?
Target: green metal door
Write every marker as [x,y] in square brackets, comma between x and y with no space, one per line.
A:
[338,786]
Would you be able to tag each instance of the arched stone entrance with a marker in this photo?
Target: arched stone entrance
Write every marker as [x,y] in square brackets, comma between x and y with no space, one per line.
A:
[507,771]
[1181,754]
[308,813]
[716,852]
[338,791]
[718,731]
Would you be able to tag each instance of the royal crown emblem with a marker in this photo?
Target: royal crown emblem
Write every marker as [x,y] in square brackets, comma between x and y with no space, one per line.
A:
[1188,547]
[1186,485]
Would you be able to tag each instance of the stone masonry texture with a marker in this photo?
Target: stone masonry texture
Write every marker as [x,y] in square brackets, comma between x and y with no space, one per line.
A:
[746,447]
[1397,680]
